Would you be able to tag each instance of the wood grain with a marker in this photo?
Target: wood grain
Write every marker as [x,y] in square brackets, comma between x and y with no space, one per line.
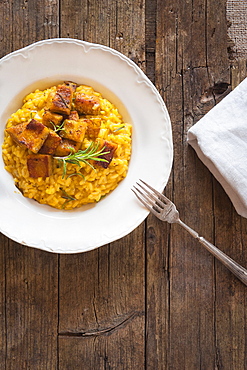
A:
[230,300]
[155,299]
[190,280]
[189,82]
[106,308]
[31,308]
[3,323]
[29,278]
[104,314]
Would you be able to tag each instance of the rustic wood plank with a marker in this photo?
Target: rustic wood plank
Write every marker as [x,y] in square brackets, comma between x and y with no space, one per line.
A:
[230,301]
[171,305]
[5,47]
[5,28]
[157,293]
[238,72]
[31,308]
[187,320]
[157,233]
[150,38]
[29,277]
[102,299]
[25,22]
[187,323]
[3,333]
[117,24]
[117,348]
[230,232]
[102,291]
[231,298]
[33,21]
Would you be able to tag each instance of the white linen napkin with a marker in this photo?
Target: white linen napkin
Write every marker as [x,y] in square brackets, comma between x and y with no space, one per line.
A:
[220,141]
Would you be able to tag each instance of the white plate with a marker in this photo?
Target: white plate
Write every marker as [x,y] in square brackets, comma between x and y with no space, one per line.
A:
[118,79]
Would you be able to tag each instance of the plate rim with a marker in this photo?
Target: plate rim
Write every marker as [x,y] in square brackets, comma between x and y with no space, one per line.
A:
[161,102]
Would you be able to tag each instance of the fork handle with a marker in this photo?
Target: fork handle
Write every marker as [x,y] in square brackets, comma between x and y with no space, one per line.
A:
[239,271]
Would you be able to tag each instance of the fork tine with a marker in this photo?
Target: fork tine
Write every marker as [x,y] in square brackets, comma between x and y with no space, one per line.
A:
[145,203]
[151,197]
[162,196]
[146,197]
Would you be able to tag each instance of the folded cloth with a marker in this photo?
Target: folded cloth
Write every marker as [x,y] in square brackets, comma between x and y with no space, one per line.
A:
[220,141]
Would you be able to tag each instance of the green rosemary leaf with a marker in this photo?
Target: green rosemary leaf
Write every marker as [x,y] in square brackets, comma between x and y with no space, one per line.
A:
[77,174]
[64,169]
[53,125]
[83,156]
[66,196]
[64,204]
[57,128]
[119,128]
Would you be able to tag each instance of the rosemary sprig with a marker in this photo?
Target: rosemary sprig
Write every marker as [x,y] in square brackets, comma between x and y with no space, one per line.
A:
[77,174]
[66,196]
[83,156]
[31,113]
[119,128]
[57,128]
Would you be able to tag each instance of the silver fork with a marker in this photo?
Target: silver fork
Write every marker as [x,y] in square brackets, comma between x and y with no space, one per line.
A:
[165,210]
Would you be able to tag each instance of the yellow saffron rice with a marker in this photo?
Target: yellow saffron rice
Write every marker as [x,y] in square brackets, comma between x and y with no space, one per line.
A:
[69,192]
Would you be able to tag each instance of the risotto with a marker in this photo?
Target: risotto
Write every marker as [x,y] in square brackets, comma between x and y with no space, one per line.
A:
[84,123]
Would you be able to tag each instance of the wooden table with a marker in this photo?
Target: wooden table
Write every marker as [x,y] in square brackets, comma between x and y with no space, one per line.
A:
[154,299]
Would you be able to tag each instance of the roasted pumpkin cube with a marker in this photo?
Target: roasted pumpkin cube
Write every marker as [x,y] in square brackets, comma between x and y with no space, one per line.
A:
[51,143]
[71,84]
[39,165]
[60,101]
[87,104]
[51,119]
[31,135]
[73,115]
[93,127]
[74,130]
[109,148]
[66,147]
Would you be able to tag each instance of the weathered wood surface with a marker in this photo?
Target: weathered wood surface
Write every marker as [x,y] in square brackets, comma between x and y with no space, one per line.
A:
[154,299]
